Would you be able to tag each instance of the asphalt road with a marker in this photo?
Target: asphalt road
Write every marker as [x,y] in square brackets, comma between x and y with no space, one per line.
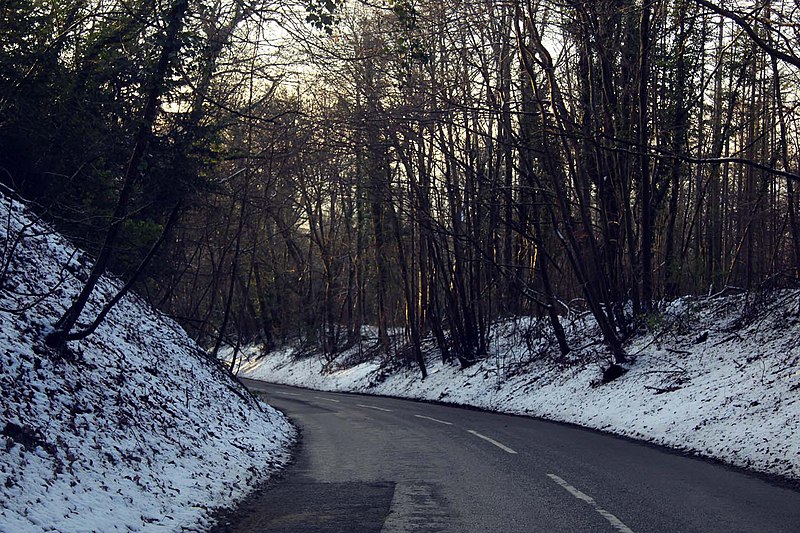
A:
[371,464]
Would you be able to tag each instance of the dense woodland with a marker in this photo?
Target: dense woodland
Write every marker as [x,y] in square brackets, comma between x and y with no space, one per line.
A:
[269,170]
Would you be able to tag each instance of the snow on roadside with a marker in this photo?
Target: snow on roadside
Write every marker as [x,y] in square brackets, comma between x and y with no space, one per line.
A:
[135,429]
[716,379]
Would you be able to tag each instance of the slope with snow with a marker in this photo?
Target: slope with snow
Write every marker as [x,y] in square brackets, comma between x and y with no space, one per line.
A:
[718,377]
[131,429]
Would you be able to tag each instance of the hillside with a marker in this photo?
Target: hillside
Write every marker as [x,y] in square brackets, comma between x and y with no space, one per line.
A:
[131,429]
[716,377]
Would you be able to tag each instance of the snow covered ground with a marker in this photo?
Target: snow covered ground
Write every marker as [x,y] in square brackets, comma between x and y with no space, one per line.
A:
[134,429]
[719,377]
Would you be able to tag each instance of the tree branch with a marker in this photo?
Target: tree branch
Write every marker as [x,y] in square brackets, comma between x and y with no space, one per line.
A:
[748,29]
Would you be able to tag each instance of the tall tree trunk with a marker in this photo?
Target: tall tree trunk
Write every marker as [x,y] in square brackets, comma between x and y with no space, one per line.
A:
[170,47]
[646,253]
[680,128]
[593,288]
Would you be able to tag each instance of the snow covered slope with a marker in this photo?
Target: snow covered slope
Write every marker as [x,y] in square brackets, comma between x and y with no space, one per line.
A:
[718,377]
[134,429]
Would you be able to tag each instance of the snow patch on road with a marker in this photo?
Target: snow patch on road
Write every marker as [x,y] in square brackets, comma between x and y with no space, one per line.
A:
[134,429]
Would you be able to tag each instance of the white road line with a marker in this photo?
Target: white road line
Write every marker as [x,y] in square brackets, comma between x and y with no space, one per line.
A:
[489,439]
[288,393]
[373,407]
[434,419]
[616,522]
[326,399]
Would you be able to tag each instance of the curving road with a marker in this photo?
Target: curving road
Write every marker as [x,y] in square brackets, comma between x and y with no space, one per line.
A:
[371,464]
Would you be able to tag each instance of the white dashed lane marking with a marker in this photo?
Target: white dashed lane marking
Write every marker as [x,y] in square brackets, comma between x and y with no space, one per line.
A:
[373,407]
[326,399]
[434,420]
[616,522]
[489,439]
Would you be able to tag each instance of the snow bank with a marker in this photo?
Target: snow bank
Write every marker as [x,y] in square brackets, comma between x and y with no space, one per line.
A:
[134,429]
[718,377]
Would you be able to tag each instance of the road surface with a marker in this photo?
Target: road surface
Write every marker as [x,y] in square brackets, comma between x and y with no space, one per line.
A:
[370,464]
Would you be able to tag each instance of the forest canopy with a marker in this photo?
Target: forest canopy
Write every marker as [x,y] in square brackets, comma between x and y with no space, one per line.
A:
[271,170]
